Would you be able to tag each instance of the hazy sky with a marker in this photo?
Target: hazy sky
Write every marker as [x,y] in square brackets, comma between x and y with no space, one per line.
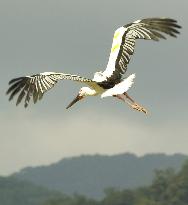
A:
[75,37]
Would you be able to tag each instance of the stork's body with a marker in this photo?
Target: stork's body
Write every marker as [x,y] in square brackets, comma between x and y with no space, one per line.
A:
[110,82]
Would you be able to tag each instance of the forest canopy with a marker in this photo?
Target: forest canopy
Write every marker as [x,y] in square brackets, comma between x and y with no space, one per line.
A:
[168,188]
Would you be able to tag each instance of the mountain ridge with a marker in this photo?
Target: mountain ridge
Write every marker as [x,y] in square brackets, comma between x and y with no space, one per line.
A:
[16,191]
[91,174]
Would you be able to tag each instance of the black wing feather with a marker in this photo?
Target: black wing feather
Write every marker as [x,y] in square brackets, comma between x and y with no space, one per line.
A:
[36,85]
[148,29]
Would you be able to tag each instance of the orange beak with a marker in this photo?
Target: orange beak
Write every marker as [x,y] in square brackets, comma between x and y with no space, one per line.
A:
[76,99]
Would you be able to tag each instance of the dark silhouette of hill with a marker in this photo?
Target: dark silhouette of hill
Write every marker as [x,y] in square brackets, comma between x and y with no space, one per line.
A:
[19,192]
[90,175]
[168,188]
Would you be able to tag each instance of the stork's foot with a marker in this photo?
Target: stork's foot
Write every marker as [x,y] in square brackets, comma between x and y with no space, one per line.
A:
[135,106]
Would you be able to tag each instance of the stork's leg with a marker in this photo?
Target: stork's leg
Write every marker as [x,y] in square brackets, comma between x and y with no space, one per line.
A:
[135,105]
[128,97]
[122,97]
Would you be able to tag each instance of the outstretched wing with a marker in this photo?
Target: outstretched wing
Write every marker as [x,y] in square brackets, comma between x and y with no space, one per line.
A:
[124,42]
[36,85]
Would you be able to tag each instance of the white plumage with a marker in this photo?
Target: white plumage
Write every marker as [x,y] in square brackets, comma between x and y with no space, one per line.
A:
[110,82]
[119,88]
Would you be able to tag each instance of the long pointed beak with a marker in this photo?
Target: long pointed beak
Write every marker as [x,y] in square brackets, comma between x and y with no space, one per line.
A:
[76,99]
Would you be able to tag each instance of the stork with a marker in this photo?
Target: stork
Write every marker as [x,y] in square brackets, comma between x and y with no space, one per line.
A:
[111,81]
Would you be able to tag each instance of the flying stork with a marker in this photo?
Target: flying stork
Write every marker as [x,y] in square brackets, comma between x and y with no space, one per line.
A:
[109,82]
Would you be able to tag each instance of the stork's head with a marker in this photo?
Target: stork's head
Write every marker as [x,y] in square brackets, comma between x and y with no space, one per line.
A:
[84,91]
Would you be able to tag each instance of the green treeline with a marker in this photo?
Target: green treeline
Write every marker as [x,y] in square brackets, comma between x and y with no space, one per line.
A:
[90,175]
[19,192]
[168,188]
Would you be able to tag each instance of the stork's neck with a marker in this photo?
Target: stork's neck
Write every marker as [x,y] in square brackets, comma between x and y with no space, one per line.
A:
[87,91]
[91,92]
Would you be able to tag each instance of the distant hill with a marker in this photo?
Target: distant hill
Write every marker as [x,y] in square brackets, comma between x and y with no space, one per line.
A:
[90,175]
[18,192]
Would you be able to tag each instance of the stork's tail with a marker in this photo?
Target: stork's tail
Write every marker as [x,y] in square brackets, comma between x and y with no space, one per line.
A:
[120,88]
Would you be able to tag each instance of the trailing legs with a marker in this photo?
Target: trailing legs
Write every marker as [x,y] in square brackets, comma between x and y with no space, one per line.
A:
[131,102]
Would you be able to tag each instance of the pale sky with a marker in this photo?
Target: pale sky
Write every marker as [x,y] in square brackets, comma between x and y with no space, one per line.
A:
[75,37]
